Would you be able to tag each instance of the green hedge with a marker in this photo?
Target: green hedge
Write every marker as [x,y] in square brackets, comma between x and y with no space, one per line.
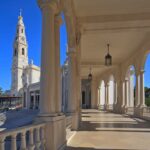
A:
[147,101]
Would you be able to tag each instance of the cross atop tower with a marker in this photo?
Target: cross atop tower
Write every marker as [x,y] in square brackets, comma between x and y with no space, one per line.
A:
[20,12]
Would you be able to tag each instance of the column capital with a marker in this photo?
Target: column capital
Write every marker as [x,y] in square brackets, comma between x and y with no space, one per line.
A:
[71,52]
[58,20]
[142,71]
[126,79]
[107,84]
[49,5]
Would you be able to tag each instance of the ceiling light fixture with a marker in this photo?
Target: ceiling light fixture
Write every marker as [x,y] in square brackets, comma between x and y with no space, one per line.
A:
[108,58]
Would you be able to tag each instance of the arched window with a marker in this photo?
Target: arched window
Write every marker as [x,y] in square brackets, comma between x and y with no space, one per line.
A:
[22,51]
[15,52]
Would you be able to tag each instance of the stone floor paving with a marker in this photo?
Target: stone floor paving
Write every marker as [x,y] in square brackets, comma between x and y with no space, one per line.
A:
[108,131]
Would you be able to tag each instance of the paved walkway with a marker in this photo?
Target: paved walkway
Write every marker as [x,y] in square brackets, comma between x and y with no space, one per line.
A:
[16,119]
[108,131]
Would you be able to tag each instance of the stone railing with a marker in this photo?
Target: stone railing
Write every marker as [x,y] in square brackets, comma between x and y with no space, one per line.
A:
[101,107]
[110,107]
[23,138]
[130,110]
[146,113]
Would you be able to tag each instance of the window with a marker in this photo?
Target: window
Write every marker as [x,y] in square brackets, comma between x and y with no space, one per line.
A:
[15,52]
[22,51]
[22,30]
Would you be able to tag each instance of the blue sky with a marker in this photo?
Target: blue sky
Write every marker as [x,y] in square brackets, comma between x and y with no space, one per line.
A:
[9,10]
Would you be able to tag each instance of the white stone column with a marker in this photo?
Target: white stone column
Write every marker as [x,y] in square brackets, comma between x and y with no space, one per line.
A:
[122,94]
[107,96]
[55,126]
[94,93]
[72,87]
[126,93]
[58,95]
[115,92]
[105,103]
[99,97]
[142,90]
[115,96]
[137,94]
[48,70]
[79,92]
[72,82]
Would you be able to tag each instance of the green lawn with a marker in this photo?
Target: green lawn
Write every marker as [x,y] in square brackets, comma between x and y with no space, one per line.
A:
[147,101]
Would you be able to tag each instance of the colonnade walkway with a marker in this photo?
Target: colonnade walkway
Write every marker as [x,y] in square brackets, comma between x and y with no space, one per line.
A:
[109,131]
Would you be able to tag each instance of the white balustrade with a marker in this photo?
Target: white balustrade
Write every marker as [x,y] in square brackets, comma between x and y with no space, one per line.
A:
[13,142]
[2,143]
[43,140]
[35,140]
[31,140]
[146,113]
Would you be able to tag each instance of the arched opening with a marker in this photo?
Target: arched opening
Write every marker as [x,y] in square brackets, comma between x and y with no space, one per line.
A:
[63,40]
[130,88]
[23,52]
[63,63]
[102,95]
[147,80]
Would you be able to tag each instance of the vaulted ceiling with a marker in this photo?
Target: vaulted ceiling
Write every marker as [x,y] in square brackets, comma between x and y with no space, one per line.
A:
[124,24]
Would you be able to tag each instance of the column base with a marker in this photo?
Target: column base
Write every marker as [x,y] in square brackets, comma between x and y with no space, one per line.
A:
[75,120]
[119,109]
[106,107]
[55,131]
[114,108]
[124,109]
[138,111]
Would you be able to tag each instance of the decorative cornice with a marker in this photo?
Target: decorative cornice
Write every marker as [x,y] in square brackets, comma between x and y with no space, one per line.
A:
[114,18]
[49,4]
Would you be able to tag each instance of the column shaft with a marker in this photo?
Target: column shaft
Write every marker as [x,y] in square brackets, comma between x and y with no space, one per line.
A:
[142,90]
[126,93]
[137,94]
[72,89]
[72,93]
[57,65]
[48,71]
[94,93]
[115,92]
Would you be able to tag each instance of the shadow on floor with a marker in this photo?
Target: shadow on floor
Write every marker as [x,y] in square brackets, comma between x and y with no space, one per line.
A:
[99,126]
[87,148]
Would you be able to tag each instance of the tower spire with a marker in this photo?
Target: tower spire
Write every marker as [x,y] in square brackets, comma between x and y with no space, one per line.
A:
[20,18]
[20,12]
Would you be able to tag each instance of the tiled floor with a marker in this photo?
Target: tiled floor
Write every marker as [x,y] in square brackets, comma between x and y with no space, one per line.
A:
[108,131]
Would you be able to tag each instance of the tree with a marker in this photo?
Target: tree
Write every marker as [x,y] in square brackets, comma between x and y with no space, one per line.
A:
[1,91]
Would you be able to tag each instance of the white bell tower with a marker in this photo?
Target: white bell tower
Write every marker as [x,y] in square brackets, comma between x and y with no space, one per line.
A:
[20,57]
